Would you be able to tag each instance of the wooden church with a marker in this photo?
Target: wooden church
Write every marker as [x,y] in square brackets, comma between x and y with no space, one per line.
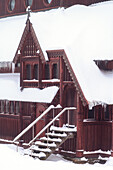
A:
[55,90]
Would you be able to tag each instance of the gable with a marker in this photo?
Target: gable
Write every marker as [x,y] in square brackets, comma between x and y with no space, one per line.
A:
[29,45]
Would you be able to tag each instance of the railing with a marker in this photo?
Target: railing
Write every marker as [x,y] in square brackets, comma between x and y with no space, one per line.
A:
[35,121]
[50,123]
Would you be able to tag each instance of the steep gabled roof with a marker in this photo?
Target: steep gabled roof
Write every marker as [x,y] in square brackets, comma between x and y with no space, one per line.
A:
[29,29]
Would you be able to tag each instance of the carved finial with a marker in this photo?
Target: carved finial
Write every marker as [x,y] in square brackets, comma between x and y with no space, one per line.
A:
[28,10]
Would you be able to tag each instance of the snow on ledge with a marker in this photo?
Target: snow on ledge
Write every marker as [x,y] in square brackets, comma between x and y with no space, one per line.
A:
[10,90]
[97,151]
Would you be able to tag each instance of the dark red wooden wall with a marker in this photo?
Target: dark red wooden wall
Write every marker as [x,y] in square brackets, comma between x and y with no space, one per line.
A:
[97,135]
[37,5]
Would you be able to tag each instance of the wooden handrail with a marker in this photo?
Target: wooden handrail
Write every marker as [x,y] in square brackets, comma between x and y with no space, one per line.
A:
[35,121]
[50,123]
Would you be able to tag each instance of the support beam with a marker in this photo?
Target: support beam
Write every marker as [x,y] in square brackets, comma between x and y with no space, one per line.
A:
[79,148]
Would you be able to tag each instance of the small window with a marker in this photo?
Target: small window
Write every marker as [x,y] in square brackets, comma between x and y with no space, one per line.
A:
[29,2]
[48,1]
[11,5]
[36,77]
[91,114]
[55,71]
[47,72]
[1,106]
[12,107]
[6,106]
[17,109]
[28,72]
[106,113]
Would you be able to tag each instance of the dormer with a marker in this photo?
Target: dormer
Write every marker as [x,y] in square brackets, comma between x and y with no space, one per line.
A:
[29,58]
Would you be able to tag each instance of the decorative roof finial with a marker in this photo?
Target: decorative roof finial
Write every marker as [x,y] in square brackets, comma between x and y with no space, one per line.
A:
[28,10]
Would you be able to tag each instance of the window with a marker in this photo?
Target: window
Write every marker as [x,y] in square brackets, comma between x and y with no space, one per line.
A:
[11,5]
[12,107]
[48,1]
[29,2]
[1,106]
[47,72]
[106,113]
[91,114]
[28,72]
[17,109]
[6,106]
[55,71]
[36,77]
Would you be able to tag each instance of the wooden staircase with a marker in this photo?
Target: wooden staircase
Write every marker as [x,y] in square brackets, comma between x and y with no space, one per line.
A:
[47,145]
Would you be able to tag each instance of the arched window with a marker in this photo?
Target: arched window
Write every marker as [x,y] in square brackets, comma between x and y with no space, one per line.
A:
[47,72]
[36,72]
[28,72]
[29,2]
[11,5]
[55,71]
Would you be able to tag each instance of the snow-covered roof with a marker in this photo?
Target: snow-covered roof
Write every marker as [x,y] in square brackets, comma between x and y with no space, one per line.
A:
[85,33]
[10,90]
[11,30]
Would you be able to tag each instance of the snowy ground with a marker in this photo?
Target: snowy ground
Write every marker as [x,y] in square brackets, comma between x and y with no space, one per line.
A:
[10,159]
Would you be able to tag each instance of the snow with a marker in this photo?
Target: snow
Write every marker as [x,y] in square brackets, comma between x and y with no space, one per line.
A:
[10,90]
[11,30]
[84,32]
[39,143]
[63,129]
[11,160]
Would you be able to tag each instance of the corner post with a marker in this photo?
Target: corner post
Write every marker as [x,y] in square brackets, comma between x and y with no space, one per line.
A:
[79,148]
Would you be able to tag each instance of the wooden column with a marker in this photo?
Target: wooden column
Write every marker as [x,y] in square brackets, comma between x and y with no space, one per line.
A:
[61,80]
[40,73]
[112,133]
[61,90]
[79,148]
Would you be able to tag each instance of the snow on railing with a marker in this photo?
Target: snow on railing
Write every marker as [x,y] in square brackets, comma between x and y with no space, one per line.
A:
[35,121]
[50,123]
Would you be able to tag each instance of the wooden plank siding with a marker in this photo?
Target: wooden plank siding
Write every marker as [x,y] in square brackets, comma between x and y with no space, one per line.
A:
[97,135]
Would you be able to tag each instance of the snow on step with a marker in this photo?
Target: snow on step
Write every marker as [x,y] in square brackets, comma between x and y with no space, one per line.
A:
[39,155]
[63,129]
[36,148]
[51,140]
[57,134]
[45,144]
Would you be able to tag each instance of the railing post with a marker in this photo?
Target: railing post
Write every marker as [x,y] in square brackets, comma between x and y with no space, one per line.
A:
[68,117]
[53,116]
[33,134]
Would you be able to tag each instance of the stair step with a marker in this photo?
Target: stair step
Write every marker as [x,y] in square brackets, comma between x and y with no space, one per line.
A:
[56,140]
[40,155]
[63,129]
[52,134]
[37,149]
[51,145]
